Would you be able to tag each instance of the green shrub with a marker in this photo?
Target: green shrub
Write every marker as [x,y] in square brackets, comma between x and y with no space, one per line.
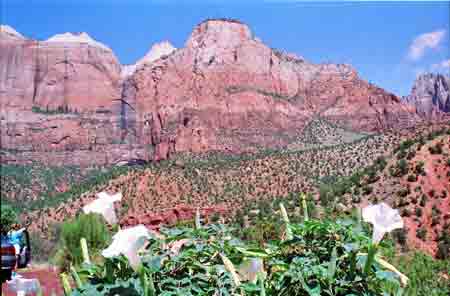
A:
[43,249]
[405,145]
[325,195]
[419,169]
[421,233]
[412,178]
[419,212]
[400,236]
[410,155]
[423,200]
[404,192]
[92,227]
[400,169]
[424,273]
[380,163]
[436,149]
[366,190]
[405,212]
[443,251]
[372,176]
[402,154]
[8,218]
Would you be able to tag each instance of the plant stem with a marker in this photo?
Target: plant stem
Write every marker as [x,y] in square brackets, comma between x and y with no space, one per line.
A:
[304,205]
[370,258]
[76,277]
[284,215]
[65,283]
[85,251]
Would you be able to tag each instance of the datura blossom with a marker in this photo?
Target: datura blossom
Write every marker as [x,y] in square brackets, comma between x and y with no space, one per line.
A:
[250,268]
[104,205]
[128,242]
[383,218]
[23,286]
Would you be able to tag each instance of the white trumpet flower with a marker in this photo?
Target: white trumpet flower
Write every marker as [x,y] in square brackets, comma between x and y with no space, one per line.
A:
[250,268]
[383,218]
[128,242]
[104,205]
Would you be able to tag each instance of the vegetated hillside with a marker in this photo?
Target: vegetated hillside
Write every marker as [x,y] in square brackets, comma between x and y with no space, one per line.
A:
[32,183]
[36,184]
[233,182]
[417,181]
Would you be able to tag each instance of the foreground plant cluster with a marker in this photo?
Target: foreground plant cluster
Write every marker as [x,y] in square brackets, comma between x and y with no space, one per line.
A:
[310,258]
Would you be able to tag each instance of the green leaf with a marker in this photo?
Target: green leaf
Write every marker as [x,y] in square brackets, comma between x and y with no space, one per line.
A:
[253,252]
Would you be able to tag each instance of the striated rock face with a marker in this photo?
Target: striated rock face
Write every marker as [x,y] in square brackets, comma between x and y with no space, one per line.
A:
[430,94]
[225,90]
[58,99]
[70,71]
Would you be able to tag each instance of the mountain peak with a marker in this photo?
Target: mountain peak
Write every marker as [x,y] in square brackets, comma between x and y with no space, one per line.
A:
[156,51]
[226,32]
[78,37]
[10,31]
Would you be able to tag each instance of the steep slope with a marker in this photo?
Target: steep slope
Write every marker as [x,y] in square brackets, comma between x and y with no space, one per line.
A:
[430,94]
[417,181]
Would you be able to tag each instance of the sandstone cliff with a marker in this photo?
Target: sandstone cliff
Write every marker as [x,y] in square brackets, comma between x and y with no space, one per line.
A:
[226,90]
[59,99]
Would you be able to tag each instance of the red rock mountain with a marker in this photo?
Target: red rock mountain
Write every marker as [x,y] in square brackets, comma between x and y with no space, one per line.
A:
[224,90]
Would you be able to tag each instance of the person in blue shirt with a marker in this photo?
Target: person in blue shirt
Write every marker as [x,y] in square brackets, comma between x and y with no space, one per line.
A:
[15,238]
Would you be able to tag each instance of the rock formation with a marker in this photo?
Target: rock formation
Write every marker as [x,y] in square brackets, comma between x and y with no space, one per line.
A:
[224,90]
[59,99]
[430,94]
[67,70]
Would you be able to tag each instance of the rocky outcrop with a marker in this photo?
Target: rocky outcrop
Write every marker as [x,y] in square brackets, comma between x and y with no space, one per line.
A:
[180,213]
[224,90]
[430,94]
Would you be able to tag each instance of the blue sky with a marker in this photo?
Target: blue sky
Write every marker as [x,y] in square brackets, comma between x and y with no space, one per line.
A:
[389,43]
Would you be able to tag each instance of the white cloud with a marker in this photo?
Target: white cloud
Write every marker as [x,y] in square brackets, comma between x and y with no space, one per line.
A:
[442,66]
[423,42]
